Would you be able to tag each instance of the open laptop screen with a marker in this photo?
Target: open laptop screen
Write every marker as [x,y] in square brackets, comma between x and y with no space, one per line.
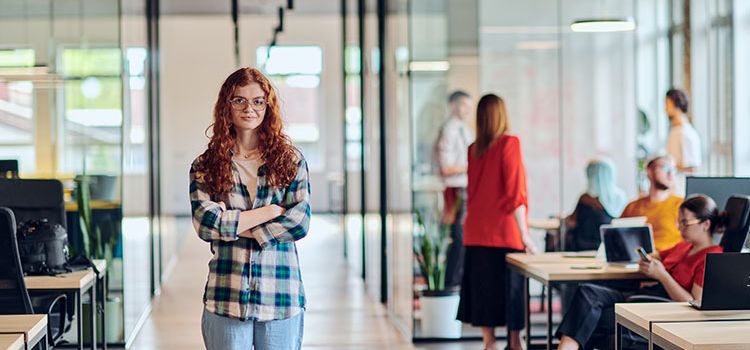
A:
[621,242]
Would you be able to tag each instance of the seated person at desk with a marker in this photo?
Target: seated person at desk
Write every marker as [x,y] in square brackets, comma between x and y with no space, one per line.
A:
[678,271]
[602,201]
[659,206]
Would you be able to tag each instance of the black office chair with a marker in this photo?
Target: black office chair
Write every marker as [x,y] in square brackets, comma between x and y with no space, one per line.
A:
[14,297]
[736,231]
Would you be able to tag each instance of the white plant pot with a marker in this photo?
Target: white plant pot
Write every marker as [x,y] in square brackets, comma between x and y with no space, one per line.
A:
[439,316]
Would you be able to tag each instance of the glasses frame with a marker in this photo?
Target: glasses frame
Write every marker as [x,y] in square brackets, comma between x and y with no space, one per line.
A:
[688,223]
[240,106]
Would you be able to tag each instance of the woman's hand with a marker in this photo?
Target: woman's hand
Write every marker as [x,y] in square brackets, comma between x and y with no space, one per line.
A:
[255,217]
[275,210]
[653,269]
[529,245]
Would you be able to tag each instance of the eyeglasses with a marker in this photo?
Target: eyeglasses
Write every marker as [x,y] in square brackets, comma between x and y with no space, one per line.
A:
[240,103]
[687,223]
[667,168]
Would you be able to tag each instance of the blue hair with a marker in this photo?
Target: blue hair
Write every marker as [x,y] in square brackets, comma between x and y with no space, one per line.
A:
[602,184]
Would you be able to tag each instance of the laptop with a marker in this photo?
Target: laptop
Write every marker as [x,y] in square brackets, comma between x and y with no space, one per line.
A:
[620,243]
[726,282]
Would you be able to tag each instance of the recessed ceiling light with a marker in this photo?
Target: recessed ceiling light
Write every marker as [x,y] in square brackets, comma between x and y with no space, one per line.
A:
[603,25]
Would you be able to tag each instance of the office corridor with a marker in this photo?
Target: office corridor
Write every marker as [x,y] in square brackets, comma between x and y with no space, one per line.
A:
[339,314]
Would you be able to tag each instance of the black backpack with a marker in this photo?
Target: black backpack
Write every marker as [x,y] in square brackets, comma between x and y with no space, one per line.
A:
[43,247]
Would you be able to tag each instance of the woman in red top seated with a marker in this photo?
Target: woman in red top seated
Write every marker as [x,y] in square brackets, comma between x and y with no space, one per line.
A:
[495,225]
[678,271]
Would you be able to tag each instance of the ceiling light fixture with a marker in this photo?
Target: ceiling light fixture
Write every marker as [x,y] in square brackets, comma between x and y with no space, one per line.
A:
[603,25]
[429,66]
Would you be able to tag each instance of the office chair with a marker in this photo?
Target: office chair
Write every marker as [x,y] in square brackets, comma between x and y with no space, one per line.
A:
[736,231]
[14,297]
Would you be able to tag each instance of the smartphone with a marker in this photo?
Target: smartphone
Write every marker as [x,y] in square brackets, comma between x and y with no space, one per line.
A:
[643,254]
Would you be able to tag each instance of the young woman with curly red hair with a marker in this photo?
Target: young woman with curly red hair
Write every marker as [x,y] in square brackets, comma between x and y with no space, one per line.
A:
[249,193]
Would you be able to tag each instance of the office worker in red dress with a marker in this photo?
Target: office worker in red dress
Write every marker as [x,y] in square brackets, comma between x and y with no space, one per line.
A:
[495,226]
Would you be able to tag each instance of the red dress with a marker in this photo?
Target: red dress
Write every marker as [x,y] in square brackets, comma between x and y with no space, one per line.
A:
[497,186]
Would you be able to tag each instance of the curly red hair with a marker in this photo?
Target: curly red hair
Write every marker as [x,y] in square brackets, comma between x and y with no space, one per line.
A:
[277,153]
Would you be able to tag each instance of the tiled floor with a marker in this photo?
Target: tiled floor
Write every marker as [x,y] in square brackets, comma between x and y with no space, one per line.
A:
[339,315]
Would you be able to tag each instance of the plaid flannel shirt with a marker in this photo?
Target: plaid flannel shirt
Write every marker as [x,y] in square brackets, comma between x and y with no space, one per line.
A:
[253,279]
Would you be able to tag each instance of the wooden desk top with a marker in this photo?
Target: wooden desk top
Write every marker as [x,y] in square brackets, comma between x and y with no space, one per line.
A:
[72,280]
[30,325]
[12,342]
[706,335]
[544,224]
[554,267]
[521,259]
[596,271]
[643,313]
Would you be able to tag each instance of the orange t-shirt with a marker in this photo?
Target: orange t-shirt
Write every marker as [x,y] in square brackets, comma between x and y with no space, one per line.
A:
[662,216]
[497,186]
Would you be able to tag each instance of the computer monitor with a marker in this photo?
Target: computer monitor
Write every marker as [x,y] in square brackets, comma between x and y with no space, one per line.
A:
[8,168]
[621,242]
[718,188]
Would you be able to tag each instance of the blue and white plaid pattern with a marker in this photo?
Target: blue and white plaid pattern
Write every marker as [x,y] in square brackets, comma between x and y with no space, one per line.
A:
[253,279]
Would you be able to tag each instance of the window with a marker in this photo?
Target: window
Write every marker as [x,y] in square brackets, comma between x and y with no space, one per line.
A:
[295,72]
[92,110]
[17,107]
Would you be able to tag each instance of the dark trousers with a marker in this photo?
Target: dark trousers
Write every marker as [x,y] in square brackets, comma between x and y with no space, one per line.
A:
[590,318]
[455,207]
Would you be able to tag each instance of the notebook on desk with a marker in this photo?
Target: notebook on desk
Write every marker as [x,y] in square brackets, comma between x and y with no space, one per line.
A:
[620,243]
[726,282]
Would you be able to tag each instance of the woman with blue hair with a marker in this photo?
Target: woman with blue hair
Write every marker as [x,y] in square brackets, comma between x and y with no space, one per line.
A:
[602,201]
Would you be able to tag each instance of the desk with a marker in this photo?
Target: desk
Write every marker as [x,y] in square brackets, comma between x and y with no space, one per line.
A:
[552,269]
[548,224]
[78,283]
[718,335]
[522,260]
[12,342]
[641,317]
[32,327]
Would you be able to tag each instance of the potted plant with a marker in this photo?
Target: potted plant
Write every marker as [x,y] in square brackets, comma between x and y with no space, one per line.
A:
[439,304]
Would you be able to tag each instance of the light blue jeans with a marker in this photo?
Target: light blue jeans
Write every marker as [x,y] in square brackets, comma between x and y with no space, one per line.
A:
[224,333]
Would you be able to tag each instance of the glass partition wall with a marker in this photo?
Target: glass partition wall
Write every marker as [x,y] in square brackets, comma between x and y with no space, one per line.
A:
[73,108]
[571,97]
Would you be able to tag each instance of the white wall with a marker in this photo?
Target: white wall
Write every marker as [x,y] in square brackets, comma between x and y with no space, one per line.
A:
[197,55]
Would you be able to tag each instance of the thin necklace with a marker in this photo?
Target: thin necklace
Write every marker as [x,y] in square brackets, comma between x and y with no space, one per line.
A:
[254,154]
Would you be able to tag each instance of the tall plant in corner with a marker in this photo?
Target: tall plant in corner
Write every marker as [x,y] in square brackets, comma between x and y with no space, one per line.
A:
[430,249]
[95,244]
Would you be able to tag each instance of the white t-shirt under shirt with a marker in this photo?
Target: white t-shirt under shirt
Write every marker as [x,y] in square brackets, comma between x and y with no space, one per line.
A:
[684,145]
[453,149]
[248,169]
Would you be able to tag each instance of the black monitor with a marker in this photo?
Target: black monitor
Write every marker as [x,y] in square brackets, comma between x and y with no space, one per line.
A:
[718,188]
[8,168]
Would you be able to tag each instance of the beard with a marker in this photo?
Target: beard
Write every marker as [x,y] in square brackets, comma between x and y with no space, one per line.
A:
[660,185]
